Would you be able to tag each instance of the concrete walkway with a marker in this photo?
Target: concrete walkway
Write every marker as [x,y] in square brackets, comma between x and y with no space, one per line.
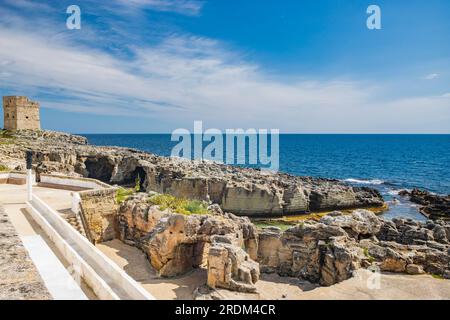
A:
[19,278]
[52,267]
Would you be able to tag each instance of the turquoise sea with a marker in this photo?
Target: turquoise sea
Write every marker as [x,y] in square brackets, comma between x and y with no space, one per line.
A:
[386,162]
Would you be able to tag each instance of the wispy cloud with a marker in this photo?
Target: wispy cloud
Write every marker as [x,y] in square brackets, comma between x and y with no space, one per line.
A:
[28,5]
[188,7]
[183,78]
[431,76]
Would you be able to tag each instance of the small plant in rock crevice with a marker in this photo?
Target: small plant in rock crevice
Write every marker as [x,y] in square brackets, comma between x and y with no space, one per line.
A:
[122,194]
[178,205]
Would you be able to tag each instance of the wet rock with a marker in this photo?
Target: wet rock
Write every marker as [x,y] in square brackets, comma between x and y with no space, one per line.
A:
[433,206]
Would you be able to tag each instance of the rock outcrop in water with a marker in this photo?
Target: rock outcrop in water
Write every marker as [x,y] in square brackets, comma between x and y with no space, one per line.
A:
[241,191]
[432,205]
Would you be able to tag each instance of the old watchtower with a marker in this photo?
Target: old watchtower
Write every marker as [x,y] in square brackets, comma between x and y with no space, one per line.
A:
[19,113]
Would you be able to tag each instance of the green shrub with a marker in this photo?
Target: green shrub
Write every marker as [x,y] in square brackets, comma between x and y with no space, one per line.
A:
[437,276]
[5,134]
[137,183]
[196,207]
[122,194]
[3,168]
[179,205]
[367,254]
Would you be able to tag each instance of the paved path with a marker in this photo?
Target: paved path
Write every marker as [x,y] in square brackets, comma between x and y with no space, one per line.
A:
[52,267]
[19,278]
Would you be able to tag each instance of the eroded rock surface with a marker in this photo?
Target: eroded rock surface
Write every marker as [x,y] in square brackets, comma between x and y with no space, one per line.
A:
[176,243]
[241,191]
[326,252]
[230,267]
[329,251]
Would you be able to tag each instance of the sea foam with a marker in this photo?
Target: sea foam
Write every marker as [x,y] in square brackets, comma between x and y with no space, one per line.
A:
[358,181]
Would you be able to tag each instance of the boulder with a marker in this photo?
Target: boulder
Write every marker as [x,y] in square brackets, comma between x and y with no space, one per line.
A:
[230,267]
[359,223]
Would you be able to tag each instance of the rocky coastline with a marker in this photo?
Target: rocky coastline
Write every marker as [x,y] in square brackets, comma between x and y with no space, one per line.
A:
[433,206]
[222,239]
[241,191]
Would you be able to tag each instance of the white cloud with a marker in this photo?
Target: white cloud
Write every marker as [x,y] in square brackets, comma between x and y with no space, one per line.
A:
[183,79]
[431,76]
[188,7]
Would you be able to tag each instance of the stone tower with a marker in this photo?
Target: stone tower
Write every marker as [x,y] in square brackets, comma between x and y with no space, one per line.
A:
[19,113]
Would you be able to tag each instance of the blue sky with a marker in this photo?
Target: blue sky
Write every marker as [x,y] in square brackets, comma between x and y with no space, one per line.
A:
[142,66]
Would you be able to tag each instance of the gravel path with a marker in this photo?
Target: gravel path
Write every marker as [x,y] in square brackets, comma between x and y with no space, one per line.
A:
[19,278]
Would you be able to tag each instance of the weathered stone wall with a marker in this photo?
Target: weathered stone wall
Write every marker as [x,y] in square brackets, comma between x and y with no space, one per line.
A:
[20,113]
[99,210]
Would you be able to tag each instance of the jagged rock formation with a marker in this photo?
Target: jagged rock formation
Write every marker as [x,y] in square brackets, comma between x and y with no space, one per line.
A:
[230,267]
[176,243]
[330,250]
[241,191]
[326,251]
[433,206]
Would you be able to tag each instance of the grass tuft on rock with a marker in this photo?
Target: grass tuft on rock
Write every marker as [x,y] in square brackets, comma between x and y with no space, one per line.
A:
[179,205]
[122,194]
[3,168]
[5,134]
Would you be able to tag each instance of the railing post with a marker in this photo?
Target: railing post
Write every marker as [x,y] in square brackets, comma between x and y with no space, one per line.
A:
[29,156]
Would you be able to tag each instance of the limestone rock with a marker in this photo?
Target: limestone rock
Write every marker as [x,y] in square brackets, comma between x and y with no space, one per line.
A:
[176,243]
[414,269]
[360,222]
[230,267]
[433,206]
[313,251]
[328,251]
[242,191]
